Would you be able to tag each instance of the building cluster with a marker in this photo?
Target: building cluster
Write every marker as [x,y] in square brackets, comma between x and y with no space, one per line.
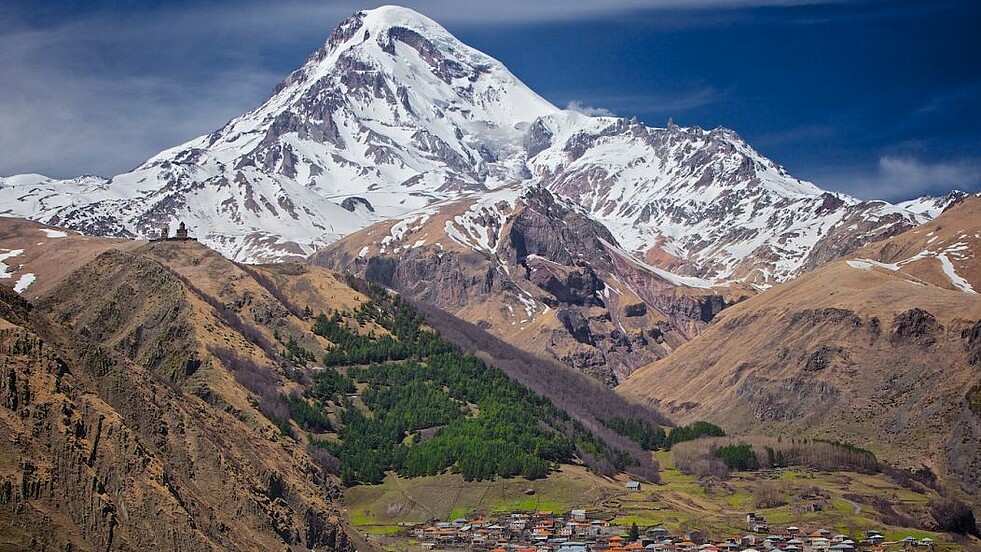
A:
[180,235]
[578,532]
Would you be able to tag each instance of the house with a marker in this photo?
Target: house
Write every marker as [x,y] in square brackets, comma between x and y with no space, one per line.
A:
[752,518]
[820,543]
[578,515]
[687,546]
[632,486]
[657,532]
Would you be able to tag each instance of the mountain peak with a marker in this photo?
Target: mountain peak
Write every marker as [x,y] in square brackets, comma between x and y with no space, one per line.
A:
[384,17]
[365,25]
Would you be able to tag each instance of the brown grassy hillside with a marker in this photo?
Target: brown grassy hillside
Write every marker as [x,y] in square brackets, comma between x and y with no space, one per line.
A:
[48,252]
[887,358]
[127,432]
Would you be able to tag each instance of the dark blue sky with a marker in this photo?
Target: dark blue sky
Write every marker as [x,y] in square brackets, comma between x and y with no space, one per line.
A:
[878,99]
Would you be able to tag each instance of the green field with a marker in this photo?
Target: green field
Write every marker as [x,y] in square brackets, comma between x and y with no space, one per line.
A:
[378,509]
[681,503]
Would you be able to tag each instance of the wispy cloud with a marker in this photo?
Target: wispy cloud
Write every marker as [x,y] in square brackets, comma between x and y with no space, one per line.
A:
[65,113]
[950,100]
[898,178]
[578,107]
[666,103]
[522,11]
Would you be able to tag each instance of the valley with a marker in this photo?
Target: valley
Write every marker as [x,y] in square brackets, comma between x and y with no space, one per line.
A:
[409,291]
[392,514]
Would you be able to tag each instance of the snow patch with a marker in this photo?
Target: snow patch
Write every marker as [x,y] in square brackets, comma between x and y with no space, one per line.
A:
[54,233]
[959,282]
[861,265]
[689,281]
[5,271]
[24,281]
[530,306]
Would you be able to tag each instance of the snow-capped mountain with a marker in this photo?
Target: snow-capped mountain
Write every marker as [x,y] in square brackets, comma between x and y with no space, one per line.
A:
[391,114]
[705,203]
[394,114]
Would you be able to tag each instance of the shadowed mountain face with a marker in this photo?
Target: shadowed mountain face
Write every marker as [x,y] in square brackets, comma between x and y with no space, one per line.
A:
[882,349]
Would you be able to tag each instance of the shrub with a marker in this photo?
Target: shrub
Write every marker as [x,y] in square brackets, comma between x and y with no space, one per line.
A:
[954,516]
[737,457]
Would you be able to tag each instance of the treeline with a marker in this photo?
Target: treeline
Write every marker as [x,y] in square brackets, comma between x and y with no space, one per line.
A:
[652,437]
[407,340]
[718,456]
[565,388]
[429,407]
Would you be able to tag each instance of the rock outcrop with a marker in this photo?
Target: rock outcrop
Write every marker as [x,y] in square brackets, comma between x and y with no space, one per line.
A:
[535,270]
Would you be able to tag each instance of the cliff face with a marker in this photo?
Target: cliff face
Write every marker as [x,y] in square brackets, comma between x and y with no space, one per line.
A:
[537,272]
[125,432]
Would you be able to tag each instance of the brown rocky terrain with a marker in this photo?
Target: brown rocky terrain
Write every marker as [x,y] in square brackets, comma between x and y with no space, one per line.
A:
[875,349]
[126,431]
[925,252]
[48,252]
[538,273]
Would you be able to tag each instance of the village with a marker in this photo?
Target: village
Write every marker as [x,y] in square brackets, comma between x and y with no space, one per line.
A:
[580,531]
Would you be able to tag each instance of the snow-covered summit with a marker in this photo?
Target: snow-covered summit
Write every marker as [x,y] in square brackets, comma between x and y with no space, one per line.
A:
[393,114]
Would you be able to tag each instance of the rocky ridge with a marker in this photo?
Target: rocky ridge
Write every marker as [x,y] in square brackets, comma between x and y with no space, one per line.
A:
[537,271]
